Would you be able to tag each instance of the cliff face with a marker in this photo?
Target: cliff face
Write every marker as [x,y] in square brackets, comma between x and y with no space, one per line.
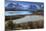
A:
[30,25]
[26,22]
[29,19]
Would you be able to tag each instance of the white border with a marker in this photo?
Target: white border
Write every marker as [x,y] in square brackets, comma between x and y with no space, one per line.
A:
[2,18]
[2,15]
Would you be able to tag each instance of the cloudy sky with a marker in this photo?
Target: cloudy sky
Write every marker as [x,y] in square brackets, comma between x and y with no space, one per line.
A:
[28,0]
[32,0]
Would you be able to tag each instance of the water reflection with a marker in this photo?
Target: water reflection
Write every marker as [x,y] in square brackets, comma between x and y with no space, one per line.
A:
[11,13]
